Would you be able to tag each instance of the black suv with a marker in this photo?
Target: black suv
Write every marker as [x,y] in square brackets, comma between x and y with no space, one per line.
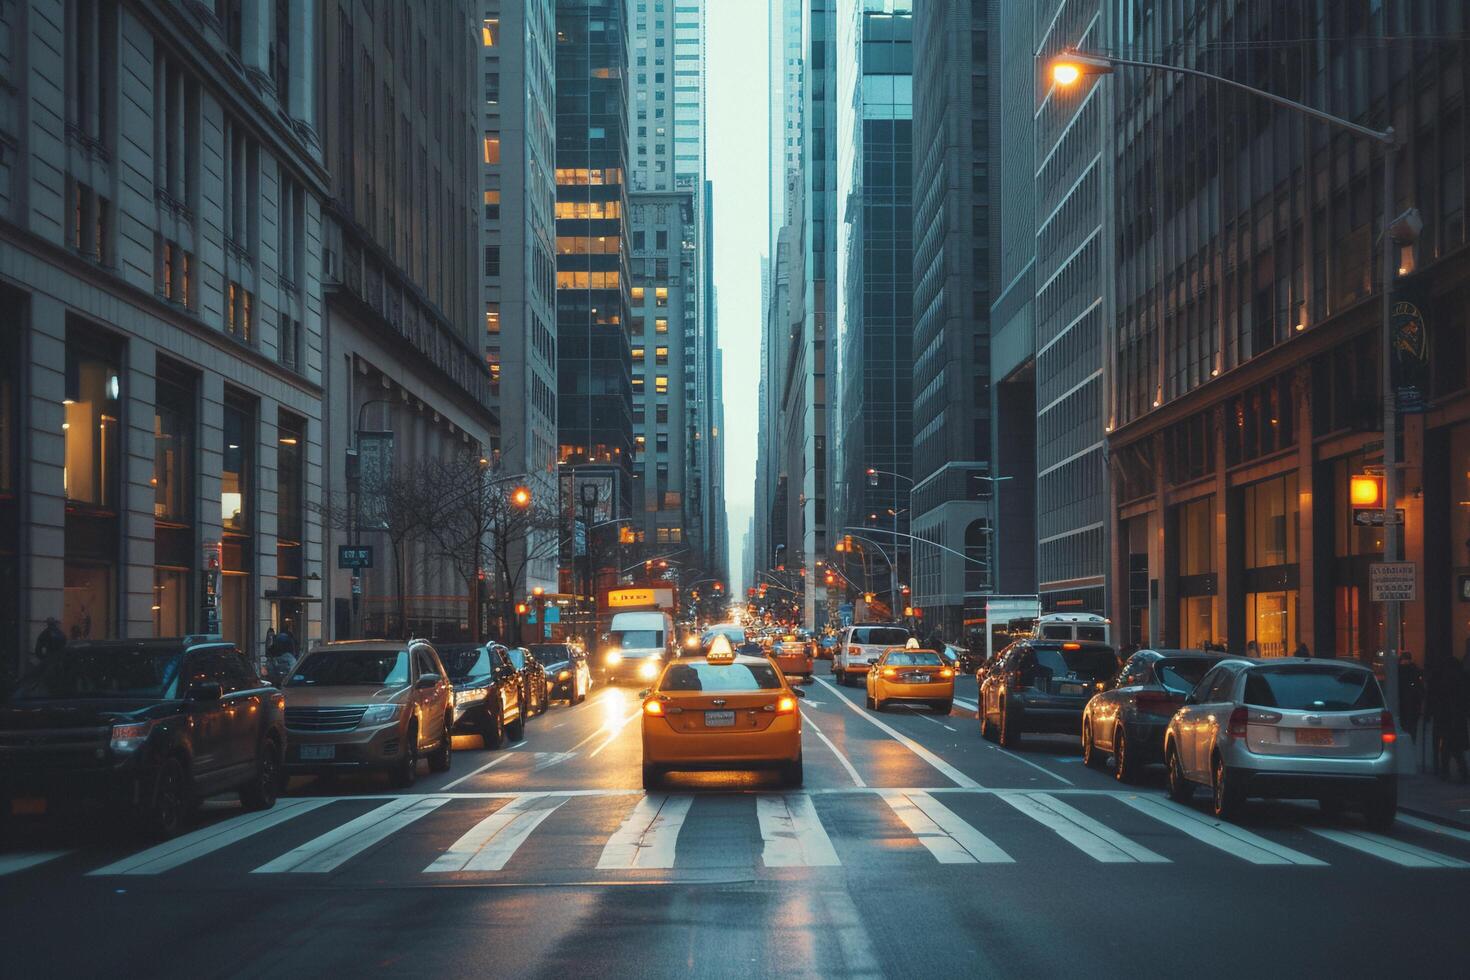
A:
[488,696]
[1042,686]
[568,675]
[148,726]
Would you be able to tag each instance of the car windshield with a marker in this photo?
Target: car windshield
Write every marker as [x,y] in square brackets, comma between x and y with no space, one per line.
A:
[916,658]
[722,678]
[1088,664]
[339,668]
[1182,675]
[462,662]
[1307,688]
[105,672]
[551,653]
[638,639]
[890,636]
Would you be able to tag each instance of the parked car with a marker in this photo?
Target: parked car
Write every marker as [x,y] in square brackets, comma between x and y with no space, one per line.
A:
[1314,729]
[568,675]
[146,726]
[1042,686]
[861,647]
[487,692]
[1129,717]
[533,679]
[370,704]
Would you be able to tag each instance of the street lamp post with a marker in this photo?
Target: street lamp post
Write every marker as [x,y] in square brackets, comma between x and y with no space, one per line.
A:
[1071,65]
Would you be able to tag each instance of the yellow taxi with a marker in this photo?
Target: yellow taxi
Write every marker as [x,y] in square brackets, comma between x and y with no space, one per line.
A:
[793,655]
[723,710]
[911,675]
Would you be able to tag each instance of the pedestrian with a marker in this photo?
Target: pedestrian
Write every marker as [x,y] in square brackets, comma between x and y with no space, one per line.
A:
[1252,648]
[285,641]
[1301,651]
[1411,694]
[1447,694]
[49,645]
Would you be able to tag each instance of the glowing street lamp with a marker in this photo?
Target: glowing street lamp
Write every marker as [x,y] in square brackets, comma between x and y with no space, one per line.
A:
[521,497]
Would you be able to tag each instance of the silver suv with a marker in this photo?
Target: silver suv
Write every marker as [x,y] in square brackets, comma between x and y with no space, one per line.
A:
[1313,729]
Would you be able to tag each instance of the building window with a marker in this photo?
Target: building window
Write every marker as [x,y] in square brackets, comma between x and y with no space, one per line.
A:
[492,87]
[88,227]
[1195,542]
[237,505]
[636,294]
[290,514]
[175,272]
[492,205]
[174,465]
[492,319]
[661,442]
[637,353]
[1271,512]
[238,313]
[91,53]
[660,325]
[661,355]
[491,148]
[492,260]
[661,295]
[661,384]
[91,481]
[637,384]
[490,32]
[661,412]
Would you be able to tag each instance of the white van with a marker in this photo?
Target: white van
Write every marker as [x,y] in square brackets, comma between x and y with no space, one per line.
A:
[638,642]
[862,645]
[1073,626]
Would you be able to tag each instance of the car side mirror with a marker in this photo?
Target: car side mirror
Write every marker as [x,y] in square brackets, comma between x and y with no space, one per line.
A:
[798,692]
[1190,698]
[645,692]
[427,681]
[205,691]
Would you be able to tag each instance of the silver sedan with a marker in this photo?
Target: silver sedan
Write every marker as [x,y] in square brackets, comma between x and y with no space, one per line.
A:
[1314,729]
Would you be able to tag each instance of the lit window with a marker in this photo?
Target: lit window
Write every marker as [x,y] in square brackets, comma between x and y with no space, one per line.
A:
[637,293]
[660,325]
[637,383]
[661,384]
[637,353]
[490,31]
[661,355]
[492,148]
[661,296]
[492,318]
[492,205]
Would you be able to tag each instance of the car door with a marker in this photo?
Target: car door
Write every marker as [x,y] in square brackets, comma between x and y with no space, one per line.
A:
[243,696]
[422,698]
[508,684]
[209,729]
[1195,732]
[442,701]
[1215,717]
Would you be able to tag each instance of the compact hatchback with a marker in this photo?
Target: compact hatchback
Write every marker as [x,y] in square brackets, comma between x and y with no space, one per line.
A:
[1314,729]
[370,704]
[721,711]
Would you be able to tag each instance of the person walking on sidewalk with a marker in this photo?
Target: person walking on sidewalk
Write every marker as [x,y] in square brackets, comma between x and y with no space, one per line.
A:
[1447,693]
[1411,694]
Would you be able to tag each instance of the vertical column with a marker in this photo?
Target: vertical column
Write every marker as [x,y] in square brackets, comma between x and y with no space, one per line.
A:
[312,557]
[1163,620]
[138,492]
[211,462]
[1224,579]
[255,36]
[1412,628]
[267,521]
[303,49]
[1306,605]
[43,541]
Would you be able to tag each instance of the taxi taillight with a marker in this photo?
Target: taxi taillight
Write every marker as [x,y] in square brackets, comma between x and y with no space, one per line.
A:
[785,705]
[652,707]
[946,672]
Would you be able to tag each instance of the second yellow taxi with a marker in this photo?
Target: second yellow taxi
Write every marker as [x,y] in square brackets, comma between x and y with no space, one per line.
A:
[721,711]
[910,675]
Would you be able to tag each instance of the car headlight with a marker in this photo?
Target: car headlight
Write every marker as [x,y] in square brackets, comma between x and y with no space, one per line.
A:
[470,695]
[380,714]
[565,675]
[613,657]
[648,670]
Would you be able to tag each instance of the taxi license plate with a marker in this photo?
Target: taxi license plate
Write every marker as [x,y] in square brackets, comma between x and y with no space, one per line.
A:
[318,752]
[719,719]
[919,678]
[28,807]
[1313,736]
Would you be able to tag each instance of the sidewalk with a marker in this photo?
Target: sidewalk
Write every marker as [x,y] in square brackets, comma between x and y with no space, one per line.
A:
[1443,800]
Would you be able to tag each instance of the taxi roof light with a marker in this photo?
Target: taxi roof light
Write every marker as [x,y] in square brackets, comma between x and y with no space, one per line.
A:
[912,643]
[720,650]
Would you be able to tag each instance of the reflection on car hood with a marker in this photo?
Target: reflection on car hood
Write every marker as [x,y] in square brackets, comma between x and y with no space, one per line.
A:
[332,697]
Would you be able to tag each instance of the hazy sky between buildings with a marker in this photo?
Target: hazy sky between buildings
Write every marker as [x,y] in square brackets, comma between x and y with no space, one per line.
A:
[735,124]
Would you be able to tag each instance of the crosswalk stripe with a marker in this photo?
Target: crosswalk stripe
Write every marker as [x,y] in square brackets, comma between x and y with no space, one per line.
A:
[945,833]
[545,760]
[207,840]
[11,863]
[648,837]
[1217,834]
[1080,830]
[960,779]
[794,837]
[1394,851]
[331,850]
[493,841]
[1434,828]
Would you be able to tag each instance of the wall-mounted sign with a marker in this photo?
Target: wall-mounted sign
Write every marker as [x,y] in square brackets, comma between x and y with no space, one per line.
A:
[1392,581]
[354,556]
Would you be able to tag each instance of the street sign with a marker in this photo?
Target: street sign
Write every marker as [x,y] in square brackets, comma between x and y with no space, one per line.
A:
[1374,518]
[354,556]
[1392,581]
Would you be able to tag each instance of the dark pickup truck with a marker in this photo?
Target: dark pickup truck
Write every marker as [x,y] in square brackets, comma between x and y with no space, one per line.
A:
[145,726]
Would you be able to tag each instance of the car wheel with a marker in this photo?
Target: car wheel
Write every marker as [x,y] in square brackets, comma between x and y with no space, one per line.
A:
[1009,735]
[492,727]
[1226,790]
[517,729]
[791,775]
[443,755]
[406,769]
[942,707]
[1381,809]
[653,777]
[1126,771]
[1181,790]
[261,791]
[161,814]
[1091,757]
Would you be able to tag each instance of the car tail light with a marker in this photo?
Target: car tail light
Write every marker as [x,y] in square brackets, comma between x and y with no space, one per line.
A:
[129,738]
[946,672]
[652,707]
[1157,702]
[1238,719]
[1390,733]
[785,705]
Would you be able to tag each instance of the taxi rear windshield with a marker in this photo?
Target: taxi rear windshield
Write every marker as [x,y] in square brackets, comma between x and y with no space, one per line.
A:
[920,659]
[891,636]
[725,678]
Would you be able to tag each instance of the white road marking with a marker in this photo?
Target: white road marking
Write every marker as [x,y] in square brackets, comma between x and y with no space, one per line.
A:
[967,705]
[648,838]
[1394,851]
[944,767]
[947,836]
[467,776]
[951,729]
[794,836]
[1219,834]
[1033,765]
[493,841]
[545,760]
[331,850]
[1434,828]
[615,730]
[850,934]
[11,863]
[207,840]
[1080,830]
[851,771]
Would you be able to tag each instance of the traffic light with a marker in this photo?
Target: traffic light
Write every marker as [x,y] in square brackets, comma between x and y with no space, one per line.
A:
[521,608]
[831,579]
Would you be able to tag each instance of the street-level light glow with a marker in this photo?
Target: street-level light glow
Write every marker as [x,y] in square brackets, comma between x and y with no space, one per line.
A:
[1065,73]
[1366,490]
[521,497]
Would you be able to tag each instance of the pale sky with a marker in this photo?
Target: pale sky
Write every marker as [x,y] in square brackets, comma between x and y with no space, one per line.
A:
[736,131]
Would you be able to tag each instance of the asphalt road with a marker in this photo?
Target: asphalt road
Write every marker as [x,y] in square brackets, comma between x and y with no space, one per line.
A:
[914,849]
